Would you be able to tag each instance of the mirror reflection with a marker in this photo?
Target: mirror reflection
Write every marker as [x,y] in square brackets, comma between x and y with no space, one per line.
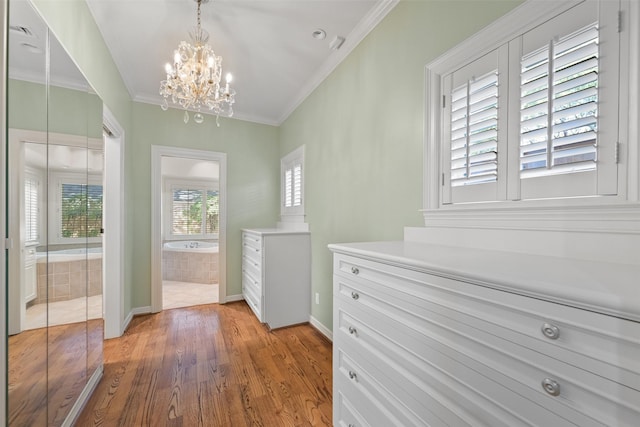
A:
[55,185]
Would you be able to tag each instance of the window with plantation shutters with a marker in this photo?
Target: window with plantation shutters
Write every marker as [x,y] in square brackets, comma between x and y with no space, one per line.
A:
[559,106]
[474,131]
[32,208]
[292,185]
[195,211]
[537,117]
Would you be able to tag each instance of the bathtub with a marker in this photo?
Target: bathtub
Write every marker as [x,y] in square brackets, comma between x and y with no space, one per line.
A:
[190,261]
[78,254]
[191,246]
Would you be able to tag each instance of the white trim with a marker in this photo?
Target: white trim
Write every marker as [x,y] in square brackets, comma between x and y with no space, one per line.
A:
[114,223]
[289,162]
[136,311]
[233,298]
[157,152]
[614,219]
[3,208]
[84,397]
[500,31]
[321,328]
[353,39]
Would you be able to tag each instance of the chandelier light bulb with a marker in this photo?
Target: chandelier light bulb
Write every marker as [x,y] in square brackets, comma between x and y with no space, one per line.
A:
[193,80]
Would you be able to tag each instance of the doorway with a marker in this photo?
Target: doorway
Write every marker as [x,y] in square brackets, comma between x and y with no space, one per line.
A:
[188,227]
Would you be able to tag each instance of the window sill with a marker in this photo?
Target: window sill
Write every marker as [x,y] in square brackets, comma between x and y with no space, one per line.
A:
[577,217]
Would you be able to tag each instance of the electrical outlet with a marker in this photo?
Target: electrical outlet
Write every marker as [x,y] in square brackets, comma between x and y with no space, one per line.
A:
[317,298]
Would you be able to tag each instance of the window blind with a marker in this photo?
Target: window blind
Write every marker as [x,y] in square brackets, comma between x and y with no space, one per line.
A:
[474,131]
[559,106]
[293,186]
[81,210]
[186,211]
[213,212]
[31,196]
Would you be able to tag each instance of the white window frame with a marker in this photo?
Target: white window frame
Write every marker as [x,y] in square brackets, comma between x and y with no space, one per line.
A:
[36,175]
[56,180]
[288,163]
[169,186]
[540,213]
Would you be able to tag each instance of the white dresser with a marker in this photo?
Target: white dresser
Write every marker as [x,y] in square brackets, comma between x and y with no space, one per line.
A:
[276,275]
[441,336]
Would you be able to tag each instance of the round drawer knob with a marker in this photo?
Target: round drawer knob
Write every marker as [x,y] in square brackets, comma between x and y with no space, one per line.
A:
[352,330]
[551,386]
[550,331]
[352,375]
[355,295]
[355,270]
[352,425]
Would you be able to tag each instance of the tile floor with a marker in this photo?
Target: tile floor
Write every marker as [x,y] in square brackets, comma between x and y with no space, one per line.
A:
[174,295]
[185,294]
[62,312]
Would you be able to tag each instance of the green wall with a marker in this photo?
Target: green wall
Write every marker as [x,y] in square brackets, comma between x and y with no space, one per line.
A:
[73,25]
[70,111]
[362,128]
[253,175]
[363,131]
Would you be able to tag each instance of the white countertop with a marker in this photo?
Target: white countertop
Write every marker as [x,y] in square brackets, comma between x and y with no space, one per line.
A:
[263,231]
[604,287]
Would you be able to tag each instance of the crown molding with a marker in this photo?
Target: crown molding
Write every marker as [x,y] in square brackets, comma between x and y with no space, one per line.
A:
[353,39]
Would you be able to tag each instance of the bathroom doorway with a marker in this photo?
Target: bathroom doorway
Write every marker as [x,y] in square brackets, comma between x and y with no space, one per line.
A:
[188,234]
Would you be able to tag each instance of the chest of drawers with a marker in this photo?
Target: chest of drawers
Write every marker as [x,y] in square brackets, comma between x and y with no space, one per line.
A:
[276,276]
[413,347]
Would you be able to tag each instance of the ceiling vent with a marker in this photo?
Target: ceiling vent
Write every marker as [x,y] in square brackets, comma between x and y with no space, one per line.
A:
[23,31]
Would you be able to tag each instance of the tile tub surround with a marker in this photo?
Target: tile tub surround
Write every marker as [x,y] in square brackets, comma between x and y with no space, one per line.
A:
[68,280]
[192,267]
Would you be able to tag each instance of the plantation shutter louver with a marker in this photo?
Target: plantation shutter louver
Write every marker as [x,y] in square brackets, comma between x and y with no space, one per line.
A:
[474,131]
[559,106]
[288,186]
[32,194]
[293,186]
[297,185]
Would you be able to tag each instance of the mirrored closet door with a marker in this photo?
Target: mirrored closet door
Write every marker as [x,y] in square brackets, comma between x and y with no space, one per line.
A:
[55,170]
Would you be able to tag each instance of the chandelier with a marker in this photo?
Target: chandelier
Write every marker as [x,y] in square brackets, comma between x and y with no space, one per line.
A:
[193,80]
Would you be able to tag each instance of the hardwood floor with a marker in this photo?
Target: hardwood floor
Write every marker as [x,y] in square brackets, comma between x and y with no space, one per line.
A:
[213,365]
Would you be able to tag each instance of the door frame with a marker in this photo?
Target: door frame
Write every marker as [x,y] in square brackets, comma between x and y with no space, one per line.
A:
[114,225]
[157,152]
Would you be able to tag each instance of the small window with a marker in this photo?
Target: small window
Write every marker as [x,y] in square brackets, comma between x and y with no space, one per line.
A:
[292,184]
[195,211]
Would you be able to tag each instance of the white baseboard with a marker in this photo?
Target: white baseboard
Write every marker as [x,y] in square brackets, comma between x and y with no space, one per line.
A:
[77,407]
[321,328]
[232,298]
[134,312]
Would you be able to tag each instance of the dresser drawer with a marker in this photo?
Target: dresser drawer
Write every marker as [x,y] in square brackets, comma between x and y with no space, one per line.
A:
[603,345]
[251,240]
[492,375]
[345,415]
[368,397]
[251,265]
[252,276]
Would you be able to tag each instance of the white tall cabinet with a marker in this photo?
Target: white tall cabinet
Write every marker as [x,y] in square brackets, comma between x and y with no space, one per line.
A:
[442,336]
[276,275]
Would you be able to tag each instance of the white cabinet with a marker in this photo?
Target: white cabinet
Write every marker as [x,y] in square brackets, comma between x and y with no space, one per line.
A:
[417,344]
[276,275]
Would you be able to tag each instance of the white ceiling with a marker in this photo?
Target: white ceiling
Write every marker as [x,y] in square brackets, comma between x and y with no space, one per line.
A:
[266,44]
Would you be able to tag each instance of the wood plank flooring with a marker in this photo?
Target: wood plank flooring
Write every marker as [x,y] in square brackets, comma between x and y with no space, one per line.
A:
[213,365]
